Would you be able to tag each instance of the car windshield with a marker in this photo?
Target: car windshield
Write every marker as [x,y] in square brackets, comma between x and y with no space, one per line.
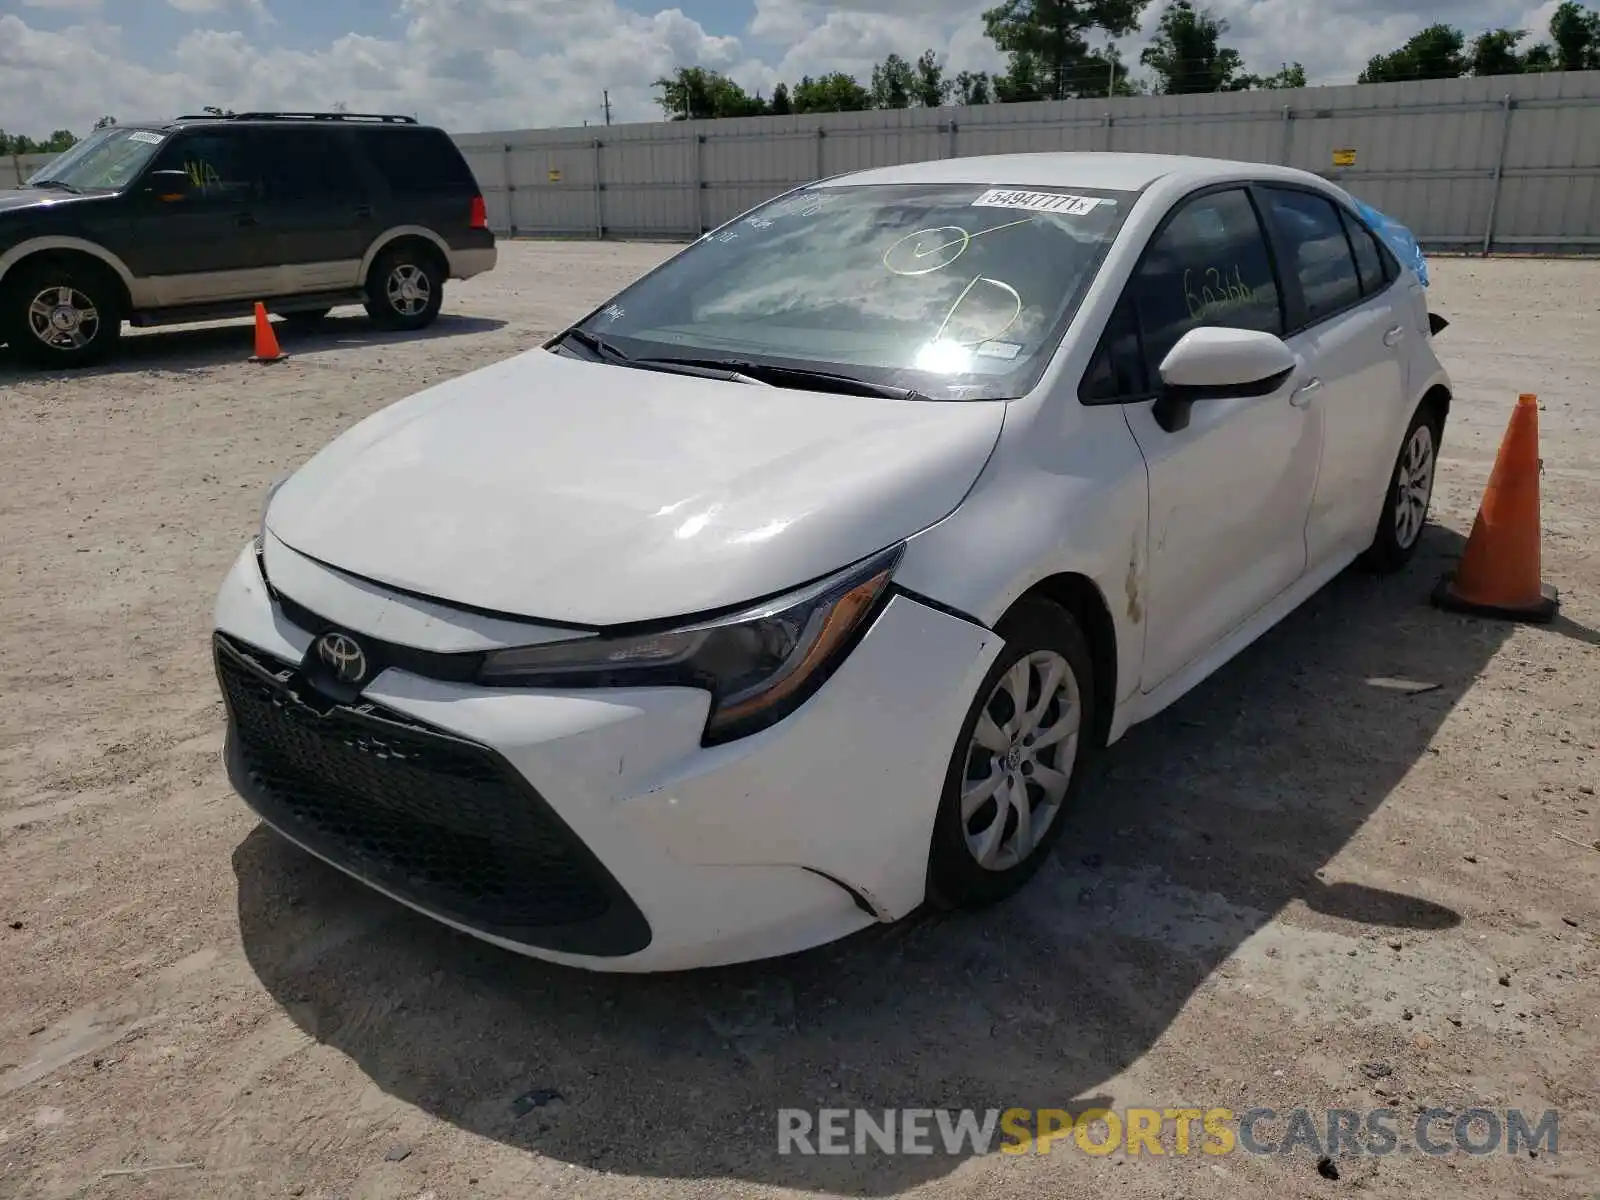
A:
[957,291]
[106,160]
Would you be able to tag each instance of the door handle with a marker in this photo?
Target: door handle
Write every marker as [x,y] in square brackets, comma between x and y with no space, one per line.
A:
[1392,336]
[1303,394]
[364,211]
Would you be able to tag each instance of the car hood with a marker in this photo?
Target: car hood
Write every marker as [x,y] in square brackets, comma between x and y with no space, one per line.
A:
[570,491]
[11,198]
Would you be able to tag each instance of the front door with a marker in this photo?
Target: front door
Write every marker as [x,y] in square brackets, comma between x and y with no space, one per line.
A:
[1229,491]
[317,207]
[207,244]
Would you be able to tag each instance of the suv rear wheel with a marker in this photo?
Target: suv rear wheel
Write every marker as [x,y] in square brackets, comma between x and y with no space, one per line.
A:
[405,286]
[61,314]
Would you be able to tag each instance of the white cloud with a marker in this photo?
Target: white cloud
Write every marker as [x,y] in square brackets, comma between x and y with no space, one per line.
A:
[256,8]
[516,64]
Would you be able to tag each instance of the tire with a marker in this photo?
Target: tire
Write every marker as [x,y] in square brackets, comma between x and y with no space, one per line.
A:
[80,324]
[305,320]
[1040,637]
[390,303]
[1407,496]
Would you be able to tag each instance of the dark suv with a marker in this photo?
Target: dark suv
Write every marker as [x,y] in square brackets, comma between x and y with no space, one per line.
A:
[199,218]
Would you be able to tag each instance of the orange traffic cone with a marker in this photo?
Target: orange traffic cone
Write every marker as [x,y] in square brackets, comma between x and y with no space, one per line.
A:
[1498,575]
[267,350]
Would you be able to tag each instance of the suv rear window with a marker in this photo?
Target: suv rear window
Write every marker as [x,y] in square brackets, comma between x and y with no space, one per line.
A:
[415,162]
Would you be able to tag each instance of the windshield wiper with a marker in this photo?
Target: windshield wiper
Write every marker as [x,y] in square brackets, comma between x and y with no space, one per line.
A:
[605,351]
[595,344]
[55,183]
[822,381]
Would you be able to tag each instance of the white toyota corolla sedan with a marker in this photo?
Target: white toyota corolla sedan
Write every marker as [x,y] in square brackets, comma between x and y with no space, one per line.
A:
[794,586]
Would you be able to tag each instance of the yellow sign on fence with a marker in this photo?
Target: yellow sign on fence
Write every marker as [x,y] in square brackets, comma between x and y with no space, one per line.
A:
[1344,158]
[555,175]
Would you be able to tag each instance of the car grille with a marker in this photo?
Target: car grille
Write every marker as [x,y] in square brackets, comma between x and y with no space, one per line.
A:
[442,822]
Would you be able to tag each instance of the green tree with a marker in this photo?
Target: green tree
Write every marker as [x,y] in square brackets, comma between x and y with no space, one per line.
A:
[973,87]
[1187,55]
[834,92]
[1293,75]
[1103,73]
[1046,43]
[1540,58]
[893,81]
[1435,53]
[932,89]
[779,107]
[696,94]
[1021,82]
[1494,52]
[1575,30]
[105,122]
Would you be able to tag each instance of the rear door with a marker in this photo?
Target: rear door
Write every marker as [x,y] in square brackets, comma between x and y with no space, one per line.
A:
[317,205]
[209,244]
[1344,322]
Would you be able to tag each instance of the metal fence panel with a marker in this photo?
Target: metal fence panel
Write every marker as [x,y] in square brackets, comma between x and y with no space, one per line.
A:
[1504,163]
[1513,159]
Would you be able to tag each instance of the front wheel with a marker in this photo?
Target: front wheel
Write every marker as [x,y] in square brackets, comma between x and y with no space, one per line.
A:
[1410,491]
[405,287]
[1018,762]
[61,315]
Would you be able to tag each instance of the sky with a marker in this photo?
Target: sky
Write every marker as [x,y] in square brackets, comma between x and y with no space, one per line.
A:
[474,65]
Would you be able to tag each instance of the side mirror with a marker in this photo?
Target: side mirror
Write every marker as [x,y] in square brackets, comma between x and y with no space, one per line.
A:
[1214,363]
[170,186]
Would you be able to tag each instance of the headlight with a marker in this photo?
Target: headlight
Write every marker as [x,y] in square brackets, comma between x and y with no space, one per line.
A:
[759,665]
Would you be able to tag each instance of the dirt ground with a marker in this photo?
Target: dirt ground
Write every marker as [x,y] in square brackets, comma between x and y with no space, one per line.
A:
[1294,889]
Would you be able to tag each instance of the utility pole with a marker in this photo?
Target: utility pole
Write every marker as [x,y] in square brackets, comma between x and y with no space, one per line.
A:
[607,95]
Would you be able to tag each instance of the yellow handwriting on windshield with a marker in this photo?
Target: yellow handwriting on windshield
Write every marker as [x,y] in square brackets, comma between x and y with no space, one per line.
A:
[985,334]
[935,248]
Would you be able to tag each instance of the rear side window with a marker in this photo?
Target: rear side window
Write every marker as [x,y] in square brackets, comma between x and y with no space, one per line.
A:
[1370,266]
[1312,233]
[418,162]
[306,165]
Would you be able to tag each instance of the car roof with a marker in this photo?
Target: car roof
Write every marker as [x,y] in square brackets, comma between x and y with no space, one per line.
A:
[293,120]
[1112,171]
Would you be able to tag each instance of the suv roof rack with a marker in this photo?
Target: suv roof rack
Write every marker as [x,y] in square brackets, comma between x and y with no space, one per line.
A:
[381,118]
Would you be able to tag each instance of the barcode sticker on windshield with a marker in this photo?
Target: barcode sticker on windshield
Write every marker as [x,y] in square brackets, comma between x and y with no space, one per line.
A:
[140,135]
[1051,202]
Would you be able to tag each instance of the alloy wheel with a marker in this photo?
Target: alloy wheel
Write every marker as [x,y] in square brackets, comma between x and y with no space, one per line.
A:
[1413,486]
[63,318]
[409,289]
[1020,759]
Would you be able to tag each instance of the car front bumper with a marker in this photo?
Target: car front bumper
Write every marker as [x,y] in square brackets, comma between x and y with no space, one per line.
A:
[591,827]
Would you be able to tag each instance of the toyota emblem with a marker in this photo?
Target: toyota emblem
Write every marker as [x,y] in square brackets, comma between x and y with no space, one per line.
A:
[342,655]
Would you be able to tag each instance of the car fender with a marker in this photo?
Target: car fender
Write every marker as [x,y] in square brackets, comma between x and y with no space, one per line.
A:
[36,245]
[1068,501]
[394,234]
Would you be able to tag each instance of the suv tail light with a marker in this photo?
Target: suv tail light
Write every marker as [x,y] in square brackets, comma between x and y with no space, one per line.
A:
[480,213]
